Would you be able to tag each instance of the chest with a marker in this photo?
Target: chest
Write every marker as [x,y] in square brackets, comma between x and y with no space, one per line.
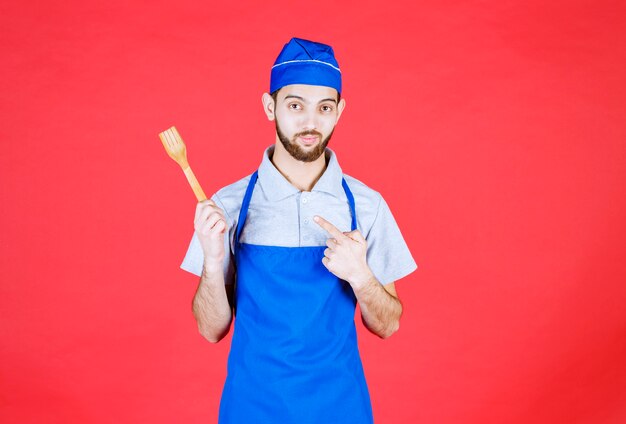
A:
[289,222]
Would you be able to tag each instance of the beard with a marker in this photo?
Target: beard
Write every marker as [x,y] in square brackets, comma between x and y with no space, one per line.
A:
[297,152]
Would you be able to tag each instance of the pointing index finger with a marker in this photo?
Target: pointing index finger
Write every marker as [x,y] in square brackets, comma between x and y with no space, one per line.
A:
[330,228]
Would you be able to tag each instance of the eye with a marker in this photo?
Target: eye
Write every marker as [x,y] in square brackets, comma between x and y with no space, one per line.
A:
[294,106]
[327,108]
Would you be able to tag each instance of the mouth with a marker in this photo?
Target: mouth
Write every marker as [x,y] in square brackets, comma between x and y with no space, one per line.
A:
[309,140]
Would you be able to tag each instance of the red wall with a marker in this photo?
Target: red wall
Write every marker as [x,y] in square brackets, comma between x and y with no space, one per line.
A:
[495,130]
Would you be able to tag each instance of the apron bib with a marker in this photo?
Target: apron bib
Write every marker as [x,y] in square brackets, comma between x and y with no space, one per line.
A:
[294,356]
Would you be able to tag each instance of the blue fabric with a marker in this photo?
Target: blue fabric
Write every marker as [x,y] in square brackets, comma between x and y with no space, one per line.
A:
[305,62]
[294,355]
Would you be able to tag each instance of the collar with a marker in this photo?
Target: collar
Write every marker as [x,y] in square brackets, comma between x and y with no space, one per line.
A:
[276,187]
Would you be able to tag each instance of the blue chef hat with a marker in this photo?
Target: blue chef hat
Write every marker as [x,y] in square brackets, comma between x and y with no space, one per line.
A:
[305,62]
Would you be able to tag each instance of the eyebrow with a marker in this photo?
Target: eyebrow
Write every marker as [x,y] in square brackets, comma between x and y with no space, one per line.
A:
[288,96]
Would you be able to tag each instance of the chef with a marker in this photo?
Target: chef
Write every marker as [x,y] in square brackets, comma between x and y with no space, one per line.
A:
[288,251]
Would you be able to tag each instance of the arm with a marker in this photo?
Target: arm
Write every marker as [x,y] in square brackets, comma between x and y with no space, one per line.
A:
[381,308]
[212,304]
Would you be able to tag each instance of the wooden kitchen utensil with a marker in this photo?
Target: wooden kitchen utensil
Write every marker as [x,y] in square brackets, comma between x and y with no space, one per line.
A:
[175,148]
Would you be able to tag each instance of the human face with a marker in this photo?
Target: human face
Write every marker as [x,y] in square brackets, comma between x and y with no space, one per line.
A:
[305,117]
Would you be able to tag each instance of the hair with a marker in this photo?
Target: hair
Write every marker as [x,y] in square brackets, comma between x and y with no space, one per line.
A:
[274,95]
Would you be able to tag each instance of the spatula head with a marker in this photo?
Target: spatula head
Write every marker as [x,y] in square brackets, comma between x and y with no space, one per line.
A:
[174,146]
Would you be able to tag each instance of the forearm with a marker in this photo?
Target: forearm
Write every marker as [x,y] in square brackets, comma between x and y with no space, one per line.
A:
[211,306]
[380,311]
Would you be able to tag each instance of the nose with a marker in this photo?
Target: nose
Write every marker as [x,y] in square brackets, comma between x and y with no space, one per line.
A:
[309,121]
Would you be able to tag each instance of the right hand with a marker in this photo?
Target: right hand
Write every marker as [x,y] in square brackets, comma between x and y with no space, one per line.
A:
[210,225]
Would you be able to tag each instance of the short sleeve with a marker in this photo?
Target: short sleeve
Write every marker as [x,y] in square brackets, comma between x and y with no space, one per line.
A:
[388,255]
[194,258]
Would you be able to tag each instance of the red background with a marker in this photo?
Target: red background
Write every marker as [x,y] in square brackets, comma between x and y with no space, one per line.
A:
[495,130]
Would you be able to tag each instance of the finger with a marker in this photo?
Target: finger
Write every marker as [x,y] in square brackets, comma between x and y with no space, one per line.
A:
[206,213]
[210,212]
[332,243]
[325,261]
[220,227]
[212,225]
[328,253]
[201,206]
[330,228]
[213,219]
[355,235]
[206,202]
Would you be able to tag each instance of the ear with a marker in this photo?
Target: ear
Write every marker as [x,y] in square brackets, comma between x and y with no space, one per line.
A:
[340,106]
[268,106]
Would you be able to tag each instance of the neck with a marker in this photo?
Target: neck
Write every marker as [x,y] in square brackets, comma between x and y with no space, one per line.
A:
[302,175]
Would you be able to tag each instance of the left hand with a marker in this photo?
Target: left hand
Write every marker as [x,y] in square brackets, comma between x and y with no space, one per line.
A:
[346,254]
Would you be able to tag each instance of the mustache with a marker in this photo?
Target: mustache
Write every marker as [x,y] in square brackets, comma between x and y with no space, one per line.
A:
[308,133]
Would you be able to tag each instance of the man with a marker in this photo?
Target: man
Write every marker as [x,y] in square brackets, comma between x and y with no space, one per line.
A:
[305,243]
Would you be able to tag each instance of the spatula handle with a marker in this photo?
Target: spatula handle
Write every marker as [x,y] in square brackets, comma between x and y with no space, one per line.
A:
[195,185]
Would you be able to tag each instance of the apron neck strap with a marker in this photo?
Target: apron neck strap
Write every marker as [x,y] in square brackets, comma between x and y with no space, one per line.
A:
[243,212]
[350,201]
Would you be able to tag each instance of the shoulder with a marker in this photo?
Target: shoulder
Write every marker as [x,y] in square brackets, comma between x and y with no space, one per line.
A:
[367,203]
[229,197]
[364,195]
[387,254]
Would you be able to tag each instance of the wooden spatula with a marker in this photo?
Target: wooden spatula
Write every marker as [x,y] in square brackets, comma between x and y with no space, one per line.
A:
[175,148]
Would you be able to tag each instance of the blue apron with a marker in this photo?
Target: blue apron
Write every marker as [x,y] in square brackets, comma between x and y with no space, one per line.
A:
[294,355]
